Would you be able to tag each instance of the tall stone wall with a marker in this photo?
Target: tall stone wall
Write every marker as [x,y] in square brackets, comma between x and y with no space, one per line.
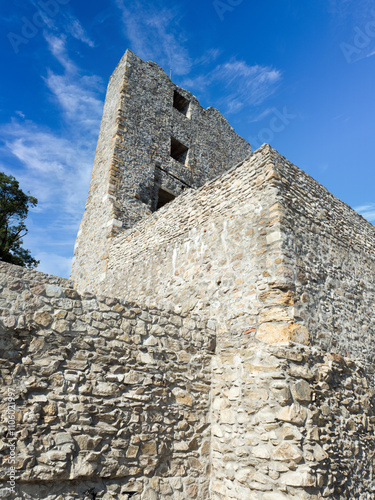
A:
[214,251]
[329,264]
[139,153]
[263,248]
[252,250]
[112,399]
[116,400]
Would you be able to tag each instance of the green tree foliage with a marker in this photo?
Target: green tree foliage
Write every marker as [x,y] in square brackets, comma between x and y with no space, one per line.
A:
[14,207]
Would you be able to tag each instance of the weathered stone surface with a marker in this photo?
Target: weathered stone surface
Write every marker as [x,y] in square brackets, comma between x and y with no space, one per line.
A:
[301,391]
[102,409]
[42,318]
[271,333]
[130,168]
[288,452]
[301,477]
[295,414]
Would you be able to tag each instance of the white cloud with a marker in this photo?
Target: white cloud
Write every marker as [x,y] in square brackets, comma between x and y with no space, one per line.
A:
[208,57]
[154,34]
[74,28]
[55,166]
[367,211]
[63,19]
[245,85]
[258,117]
[55,264]
[57,45]
[77,98]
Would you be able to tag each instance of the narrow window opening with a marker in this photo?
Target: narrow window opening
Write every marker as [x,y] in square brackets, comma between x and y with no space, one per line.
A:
[178,151]
[164,197]
[180,103]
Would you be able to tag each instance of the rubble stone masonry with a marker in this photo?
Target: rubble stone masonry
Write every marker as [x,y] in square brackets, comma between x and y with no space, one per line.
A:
[111,397]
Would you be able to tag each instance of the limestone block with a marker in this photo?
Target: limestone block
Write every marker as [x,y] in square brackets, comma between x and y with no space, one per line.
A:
[295,414]
[319,453]
[256,396]
[302,477]
[53,291]
[182,397]
[261,451]
[42,318]
[86,442]
[180,446]
[149,448]
[82,468]
[275,314]
[287,452]
[290,432]
[281,392]
[57,455]
[220,404]
[61,326]
[228,416]
[301,391]
[132,451]
[243,474]
[63,438]
[273,333]
[133,377]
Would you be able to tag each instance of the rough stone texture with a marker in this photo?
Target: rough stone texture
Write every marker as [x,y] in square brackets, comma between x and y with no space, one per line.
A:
[116,398]
[207,251]
[263,248]
[110,395]
[133,158]
[291,422]
[330,263]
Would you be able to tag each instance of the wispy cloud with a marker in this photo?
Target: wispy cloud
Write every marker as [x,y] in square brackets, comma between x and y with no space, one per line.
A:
[367,211]
[258,117]
[154,34]
[56,165]
[57,46]
[244,84]
[75,29]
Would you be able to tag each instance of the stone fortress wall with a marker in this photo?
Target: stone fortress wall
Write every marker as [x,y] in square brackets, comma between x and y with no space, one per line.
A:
[112,397]
[220,347]
[263,247]
[117,399]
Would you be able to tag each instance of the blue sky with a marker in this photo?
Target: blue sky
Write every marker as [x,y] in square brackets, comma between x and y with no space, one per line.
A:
[299,75]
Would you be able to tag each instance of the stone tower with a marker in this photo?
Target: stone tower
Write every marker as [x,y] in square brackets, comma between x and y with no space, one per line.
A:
[155,142]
